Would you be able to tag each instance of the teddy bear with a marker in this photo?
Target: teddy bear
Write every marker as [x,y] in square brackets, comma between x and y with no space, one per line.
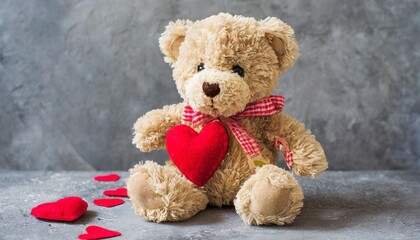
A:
[225,138]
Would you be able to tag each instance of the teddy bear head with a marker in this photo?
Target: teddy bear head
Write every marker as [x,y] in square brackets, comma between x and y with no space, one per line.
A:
[224,62]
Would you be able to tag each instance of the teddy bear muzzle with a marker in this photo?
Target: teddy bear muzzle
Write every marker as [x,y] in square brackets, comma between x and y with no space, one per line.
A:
[217,93]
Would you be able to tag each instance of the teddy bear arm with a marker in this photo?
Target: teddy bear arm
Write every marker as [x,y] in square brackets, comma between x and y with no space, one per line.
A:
[150,130]
[308,155]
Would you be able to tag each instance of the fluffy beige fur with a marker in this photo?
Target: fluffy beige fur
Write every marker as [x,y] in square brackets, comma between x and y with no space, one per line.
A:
[264,49]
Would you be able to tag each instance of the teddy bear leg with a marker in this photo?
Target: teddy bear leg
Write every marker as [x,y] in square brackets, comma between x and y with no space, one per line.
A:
[160,194]
[270,196]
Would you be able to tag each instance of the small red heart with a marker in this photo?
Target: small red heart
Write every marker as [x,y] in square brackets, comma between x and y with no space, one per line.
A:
[96,232]
[66,209]
[119,192]
[197,155]
[108,202]
[107,178]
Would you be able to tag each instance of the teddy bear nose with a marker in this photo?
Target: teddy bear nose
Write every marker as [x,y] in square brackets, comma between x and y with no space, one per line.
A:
[211,89]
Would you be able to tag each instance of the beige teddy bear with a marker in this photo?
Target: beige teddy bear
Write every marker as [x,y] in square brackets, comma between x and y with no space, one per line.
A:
[226,69]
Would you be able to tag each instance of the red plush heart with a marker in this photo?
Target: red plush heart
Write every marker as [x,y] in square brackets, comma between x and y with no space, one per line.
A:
[65,209]
[108,202]
[197,155]
[96,232]
[107,178]
[119,192]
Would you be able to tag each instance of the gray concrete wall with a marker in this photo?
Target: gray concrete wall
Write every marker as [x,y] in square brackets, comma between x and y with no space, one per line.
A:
[75,75]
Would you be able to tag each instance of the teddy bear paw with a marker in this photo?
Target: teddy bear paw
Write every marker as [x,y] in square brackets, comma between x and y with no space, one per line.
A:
[141,192]
[159,194]
[270,196]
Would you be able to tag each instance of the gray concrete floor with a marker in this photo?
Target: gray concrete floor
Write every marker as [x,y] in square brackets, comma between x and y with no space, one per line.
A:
[338,205]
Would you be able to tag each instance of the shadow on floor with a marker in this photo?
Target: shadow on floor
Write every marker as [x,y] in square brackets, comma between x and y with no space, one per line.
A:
[337,212]
[318,213]
[86,218]
[211,215]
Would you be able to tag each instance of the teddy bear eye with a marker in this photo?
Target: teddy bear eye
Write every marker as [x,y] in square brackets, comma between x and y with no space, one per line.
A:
[200,67]
[239,70]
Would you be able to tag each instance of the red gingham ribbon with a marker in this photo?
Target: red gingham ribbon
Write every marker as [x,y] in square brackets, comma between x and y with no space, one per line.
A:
[261,108]
[282,144]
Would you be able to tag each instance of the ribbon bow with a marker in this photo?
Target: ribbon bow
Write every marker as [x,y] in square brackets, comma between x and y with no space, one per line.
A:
[261,108]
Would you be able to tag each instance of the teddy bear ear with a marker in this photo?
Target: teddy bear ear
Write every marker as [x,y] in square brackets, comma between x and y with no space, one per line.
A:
[172,38]
[282,38]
